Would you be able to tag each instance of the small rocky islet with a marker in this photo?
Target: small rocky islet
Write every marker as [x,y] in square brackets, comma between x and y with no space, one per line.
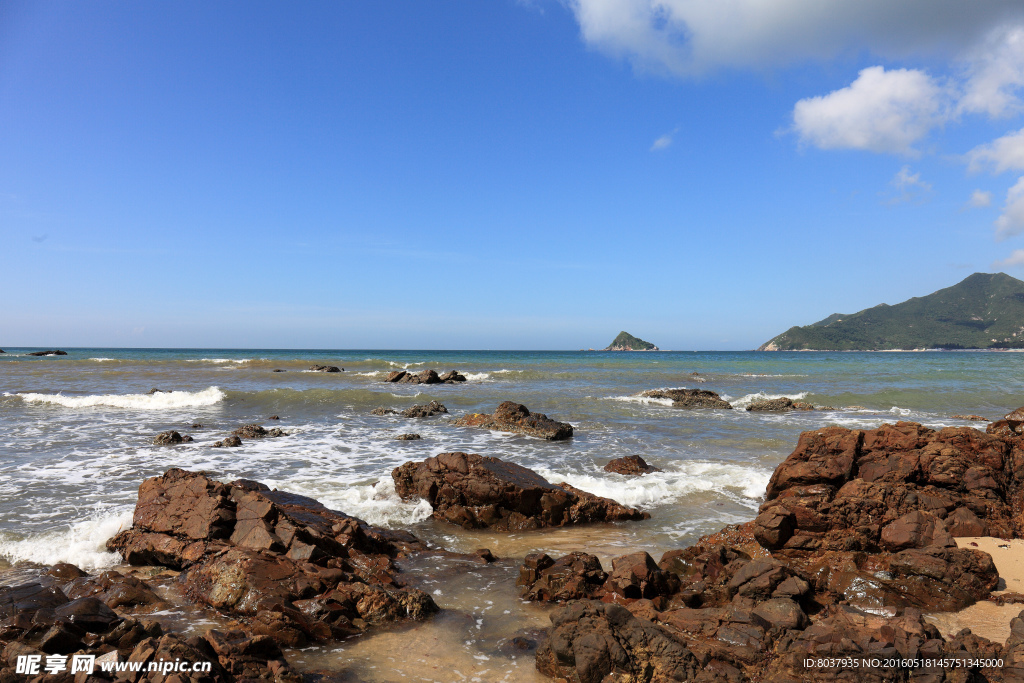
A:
[854,543]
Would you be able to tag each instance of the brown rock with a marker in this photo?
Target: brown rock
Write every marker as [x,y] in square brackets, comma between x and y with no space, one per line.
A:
[250,432]
[514,417]
[572,577]
[428,410]
[689,398]
[474,491]
[632,465]
[778,404]
[167,438]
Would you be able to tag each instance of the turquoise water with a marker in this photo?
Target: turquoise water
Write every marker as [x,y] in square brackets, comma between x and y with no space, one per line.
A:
[76,431]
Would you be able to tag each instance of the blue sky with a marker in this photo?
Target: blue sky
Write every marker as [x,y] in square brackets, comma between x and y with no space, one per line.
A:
[501,174]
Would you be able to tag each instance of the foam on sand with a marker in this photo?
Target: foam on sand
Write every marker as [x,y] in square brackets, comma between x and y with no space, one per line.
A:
[162,400]
[82,544]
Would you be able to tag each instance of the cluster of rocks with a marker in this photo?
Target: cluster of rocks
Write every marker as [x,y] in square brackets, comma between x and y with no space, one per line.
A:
[250,431]
[689,398]
[425,377]
[322,368]
[476,491]
[52,352]
[67,612]
[515,417]
[418,410]
[281,563]
[853,543]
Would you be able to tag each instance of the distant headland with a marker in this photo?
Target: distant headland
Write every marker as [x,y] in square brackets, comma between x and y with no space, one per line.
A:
[984,311]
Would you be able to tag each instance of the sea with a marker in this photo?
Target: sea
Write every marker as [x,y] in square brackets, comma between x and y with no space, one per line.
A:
[76,440]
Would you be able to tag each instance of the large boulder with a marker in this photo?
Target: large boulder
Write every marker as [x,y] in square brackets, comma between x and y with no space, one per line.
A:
[515,417]
[891,488]
[475,491]
[288,565]
[689,398]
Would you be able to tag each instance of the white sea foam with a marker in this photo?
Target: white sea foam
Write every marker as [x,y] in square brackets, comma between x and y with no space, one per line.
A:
[377,504]
[163,400]
[371,373]
[903,412]
[82,544]
[101,360]
[746,484]
[641,399]
[476,376]
[745,401]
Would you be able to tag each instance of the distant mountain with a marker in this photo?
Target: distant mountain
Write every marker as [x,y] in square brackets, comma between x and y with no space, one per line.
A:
[627,342]
[985,311]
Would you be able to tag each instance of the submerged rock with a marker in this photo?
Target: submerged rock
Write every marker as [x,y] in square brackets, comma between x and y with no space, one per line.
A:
[427,410]
[514,417]
[254,431]
[425,377]
[689,398]
[323,368]
[229,442]
[408,437]
[632,465]
[778,404]
[474,491]
[285,564]
[167,438]
[54,352]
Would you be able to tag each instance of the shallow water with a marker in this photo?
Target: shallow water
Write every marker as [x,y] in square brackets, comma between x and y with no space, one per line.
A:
[76,440]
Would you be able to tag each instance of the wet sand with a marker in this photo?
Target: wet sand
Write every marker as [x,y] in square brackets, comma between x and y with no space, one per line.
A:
[988,619]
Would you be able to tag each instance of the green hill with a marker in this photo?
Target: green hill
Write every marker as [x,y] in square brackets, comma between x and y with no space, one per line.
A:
[985,311]
[627,342]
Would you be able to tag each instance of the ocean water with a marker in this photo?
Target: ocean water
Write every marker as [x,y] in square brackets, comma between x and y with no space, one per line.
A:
[76,432]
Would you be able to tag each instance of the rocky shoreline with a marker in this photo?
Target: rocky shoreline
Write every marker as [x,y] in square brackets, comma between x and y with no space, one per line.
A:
[855,542]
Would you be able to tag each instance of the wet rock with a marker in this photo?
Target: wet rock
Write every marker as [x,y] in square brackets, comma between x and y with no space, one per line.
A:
[778,404]
[474,491]
[632,465]
[229,442]
[383,411]
[425,377]
[62,571]
[154,390]
[114,589]
[976,418]
[197,425]
[54,352]
[250,432]
[427,410]
[278,370]
[29,598]
[573,577]
[273,417]
[167,438]
[592,642]
[408,437]
[325,368]
[287,565]
[515,417]
[637,576]
[689,398]
[88,614]
[1015,415]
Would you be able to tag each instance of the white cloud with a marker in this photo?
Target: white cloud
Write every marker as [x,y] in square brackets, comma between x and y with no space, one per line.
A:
[1014,259]
[1011,222]
[881,111]
[688,37]
[995,74]
[664,142]
[1002,154]
[909,186]
[980,199]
